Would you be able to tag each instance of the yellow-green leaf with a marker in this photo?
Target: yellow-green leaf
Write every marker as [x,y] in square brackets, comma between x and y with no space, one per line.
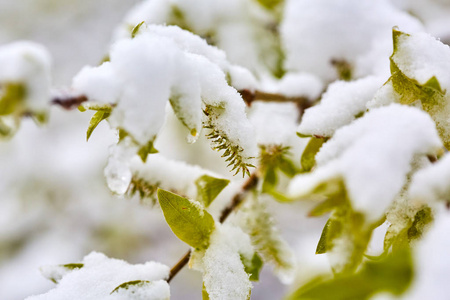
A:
[188,221]
[270,4]
[308,159]
[145,150]
[208,188]
[205,295]
[126,285]
[12,97]
[95,120]
[391,274]
[253,266]
[331,230]
[136,29]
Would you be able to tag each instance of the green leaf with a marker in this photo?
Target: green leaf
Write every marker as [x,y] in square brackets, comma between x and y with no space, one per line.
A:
[433,99]
[12,98]
[180,110]
[343,68]
[399,238]
[73,266]
[188,221]
[270,4]
[270,179]
[391,274]
[95,106]
[136,29]
[303,136]
[308,159]
[126,285]
[144,151]
[205,295]
[422,218]
[208,188]
[253,266]
[331,230]
[95,120]
[277,195]
[326,206]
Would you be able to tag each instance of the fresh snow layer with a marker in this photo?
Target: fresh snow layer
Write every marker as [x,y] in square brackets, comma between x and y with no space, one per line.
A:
[240,27]
[431,184]
[100,275]
[421,56]
[339,106]
[381,146]
[316,32]
[432,265]
[29,64]
[167,63]
[274,123]
[176,176]
[224,276]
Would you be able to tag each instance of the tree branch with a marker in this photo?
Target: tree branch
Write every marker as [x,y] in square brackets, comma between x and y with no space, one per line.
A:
[251,182]
[249,97]
[71,102]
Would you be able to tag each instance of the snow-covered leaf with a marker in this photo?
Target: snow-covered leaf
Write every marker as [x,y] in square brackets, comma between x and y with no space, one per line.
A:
[392,274]
[208,188]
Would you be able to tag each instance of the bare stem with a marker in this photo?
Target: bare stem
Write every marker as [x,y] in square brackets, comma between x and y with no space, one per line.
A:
[251,182]
[72,102]
[249,97]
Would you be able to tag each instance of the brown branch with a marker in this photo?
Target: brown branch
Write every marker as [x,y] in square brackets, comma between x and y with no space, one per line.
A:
[69,102]
[249,97]
[251,182]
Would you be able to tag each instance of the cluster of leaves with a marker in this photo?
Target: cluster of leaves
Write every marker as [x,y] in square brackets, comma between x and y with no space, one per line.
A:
[13,107]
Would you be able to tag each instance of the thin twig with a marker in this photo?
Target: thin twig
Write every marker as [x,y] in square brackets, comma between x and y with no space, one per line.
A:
[72,102]
[251,182]
[69,102]
[249,97]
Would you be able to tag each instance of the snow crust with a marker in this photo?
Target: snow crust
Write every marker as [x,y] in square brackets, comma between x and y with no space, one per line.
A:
[420,56]
[339,106]
[29,64]
[162,63]
[100,275]
[169,174]
[239,27]
[368,148]
[316,32]
[431,184]
[431,274]
[224,276]
[274,123]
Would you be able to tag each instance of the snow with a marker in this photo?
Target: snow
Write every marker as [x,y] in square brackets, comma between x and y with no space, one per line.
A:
[300,84]
[99,84]
[339,106]
[431,184]
[368,148]
[29,64]
[100,275]
[274,123]
[420,56]
[169,174]
[162,63]
[432,267]
[239,27]
[316,32]
[224,276]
